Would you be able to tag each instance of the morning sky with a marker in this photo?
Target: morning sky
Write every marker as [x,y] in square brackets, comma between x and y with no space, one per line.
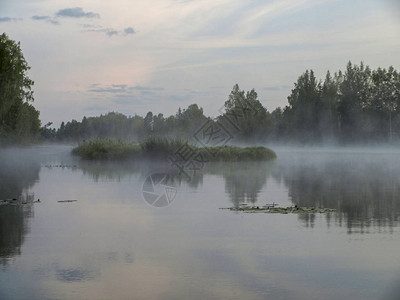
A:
[91,57]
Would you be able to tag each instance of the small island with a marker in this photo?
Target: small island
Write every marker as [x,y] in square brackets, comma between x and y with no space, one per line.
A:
[162,148]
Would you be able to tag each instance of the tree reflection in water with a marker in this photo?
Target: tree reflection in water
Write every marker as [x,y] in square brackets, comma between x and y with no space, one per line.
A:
[363,188]
[17,174]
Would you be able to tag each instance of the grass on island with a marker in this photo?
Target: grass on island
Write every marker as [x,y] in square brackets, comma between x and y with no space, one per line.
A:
[107,149]
[162,148]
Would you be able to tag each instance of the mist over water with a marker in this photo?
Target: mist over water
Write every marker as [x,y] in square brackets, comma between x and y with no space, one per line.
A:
[111,243]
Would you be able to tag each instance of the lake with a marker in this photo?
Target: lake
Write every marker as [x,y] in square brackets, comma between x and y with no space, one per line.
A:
[112,244]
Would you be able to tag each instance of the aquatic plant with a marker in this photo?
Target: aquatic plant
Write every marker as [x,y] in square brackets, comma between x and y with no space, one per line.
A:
[282,210]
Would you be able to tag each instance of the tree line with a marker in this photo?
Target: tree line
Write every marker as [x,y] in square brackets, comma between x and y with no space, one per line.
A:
[117,125]
[357,105]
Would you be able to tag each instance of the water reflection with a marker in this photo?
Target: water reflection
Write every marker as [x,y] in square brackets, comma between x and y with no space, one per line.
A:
[243,181]
[110,244]
[110,171]
[13,228]
[365,189]
[16,176]
[78,274]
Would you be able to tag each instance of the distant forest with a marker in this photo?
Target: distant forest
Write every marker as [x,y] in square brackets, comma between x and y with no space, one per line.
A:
[358,105]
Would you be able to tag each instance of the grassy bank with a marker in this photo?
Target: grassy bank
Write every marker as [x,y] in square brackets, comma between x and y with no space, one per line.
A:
[160,148]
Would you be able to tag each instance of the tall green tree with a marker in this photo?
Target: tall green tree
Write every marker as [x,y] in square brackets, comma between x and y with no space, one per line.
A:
[385,100]
[304,102]
[192,119]
[246,116]
[17,116]
[353,102]
[328,119]
[148,124]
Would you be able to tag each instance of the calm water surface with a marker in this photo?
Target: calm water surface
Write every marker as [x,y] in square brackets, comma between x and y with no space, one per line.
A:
[111,244]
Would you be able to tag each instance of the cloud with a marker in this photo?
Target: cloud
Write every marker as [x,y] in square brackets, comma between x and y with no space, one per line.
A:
[191,91]
[54,22]
[40,17]
[8,19]
[76,12]
[120,94]
[90,26]
[145,88]
[129,30]
[115,88]
[45,18]
[109,31]
[123,94]
[126,100]
[122,88]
